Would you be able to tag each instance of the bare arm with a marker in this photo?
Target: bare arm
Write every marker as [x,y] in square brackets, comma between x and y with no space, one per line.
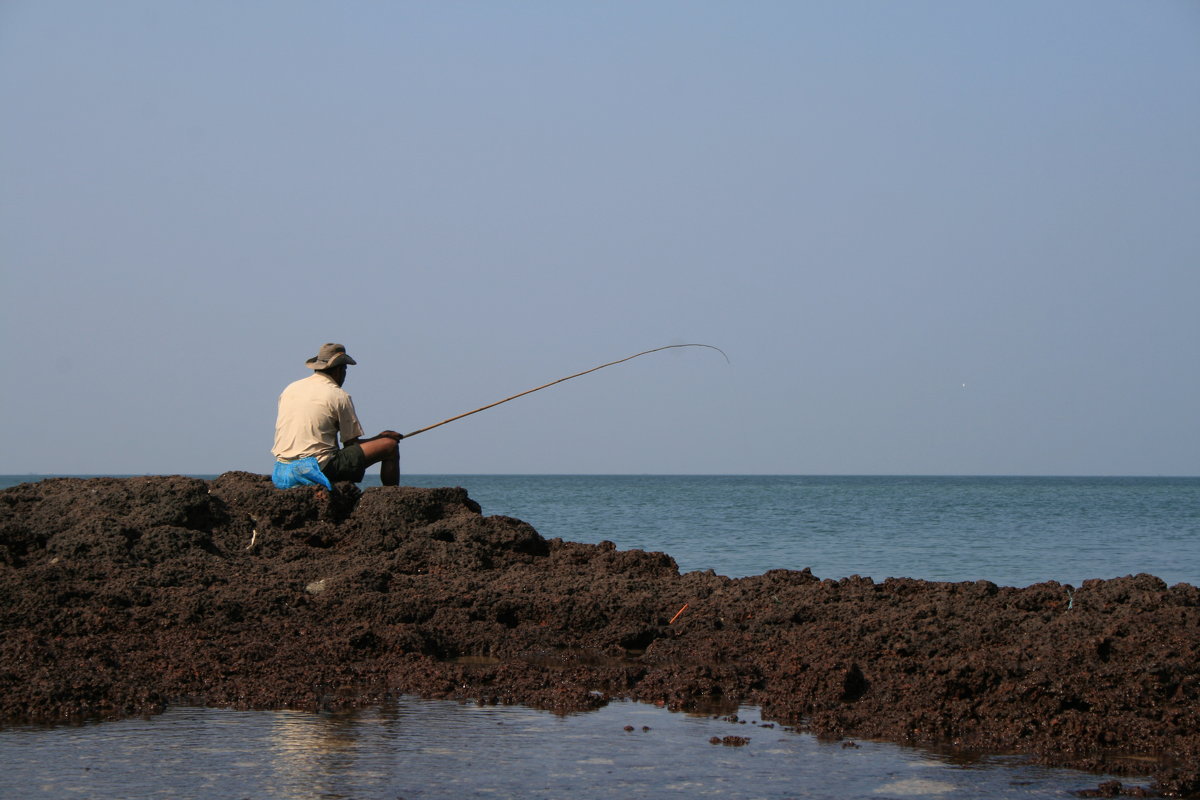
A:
[395,437]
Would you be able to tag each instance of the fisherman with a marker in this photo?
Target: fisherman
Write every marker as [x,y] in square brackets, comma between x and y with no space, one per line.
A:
[313,412]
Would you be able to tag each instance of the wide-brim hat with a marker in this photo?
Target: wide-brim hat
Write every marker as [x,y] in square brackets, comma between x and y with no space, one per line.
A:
[330,355]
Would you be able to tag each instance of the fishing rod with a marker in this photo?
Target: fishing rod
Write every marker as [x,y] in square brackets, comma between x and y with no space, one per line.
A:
[560,380]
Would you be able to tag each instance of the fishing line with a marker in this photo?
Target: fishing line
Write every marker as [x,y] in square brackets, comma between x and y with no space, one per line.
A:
[560,380]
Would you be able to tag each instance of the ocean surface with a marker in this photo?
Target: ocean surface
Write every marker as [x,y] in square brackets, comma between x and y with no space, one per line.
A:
[1012,531]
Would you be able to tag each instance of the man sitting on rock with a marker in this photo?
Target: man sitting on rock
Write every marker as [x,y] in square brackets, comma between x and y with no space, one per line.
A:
[313,411]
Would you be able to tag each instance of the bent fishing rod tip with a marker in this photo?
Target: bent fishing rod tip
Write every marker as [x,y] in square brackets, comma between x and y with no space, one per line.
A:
[569,377]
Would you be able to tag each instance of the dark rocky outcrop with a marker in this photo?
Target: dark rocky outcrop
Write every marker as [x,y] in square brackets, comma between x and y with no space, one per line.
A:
[119,596]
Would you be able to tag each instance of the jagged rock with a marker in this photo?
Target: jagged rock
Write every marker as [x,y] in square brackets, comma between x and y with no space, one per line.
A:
[118,596]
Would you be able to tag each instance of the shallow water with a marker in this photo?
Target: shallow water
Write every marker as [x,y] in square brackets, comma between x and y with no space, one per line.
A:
[438,749]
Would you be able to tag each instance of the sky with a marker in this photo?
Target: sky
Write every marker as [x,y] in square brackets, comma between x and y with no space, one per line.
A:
[932,237]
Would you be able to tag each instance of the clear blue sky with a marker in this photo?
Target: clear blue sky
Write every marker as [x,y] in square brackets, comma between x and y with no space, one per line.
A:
[933,237]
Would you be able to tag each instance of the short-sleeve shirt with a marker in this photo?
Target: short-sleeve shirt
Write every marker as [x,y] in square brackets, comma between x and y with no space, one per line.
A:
[313,411]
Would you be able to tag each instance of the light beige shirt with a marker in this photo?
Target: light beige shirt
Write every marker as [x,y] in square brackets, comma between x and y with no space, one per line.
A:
[312,412]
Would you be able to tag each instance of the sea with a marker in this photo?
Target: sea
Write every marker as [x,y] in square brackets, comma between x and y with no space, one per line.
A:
[1013,531]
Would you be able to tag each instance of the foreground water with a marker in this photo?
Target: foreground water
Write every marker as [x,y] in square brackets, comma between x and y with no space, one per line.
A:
[1013,531]
[436,749]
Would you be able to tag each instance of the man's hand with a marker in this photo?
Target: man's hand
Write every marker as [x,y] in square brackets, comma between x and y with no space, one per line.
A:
[390,435]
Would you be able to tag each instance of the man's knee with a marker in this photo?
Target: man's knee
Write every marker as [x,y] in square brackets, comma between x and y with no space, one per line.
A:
[378,450]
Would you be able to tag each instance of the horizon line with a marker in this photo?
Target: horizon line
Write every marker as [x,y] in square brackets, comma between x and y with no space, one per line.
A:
[207,475]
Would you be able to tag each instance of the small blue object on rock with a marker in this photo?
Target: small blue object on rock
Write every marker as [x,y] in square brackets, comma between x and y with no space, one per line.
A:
[301,472]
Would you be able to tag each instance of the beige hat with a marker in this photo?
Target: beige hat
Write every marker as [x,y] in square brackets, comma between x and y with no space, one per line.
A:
[330,355]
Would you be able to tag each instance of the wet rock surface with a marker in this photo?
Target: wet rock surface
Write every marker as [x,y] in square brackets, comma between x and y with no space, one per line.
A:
[119,596]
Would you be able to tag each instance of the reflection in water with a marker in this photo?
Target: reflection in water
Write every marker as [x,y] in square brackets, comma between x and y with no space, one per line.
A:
[305,751]
[435,749]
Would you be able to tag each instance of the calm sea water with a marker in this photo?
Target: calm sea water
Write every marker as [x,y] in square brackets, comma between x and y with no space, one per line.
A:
[1012,531]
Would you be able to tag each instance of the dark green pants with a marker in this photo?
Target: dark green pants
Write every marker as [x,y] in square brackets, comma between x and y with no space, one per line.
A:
[348,464]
